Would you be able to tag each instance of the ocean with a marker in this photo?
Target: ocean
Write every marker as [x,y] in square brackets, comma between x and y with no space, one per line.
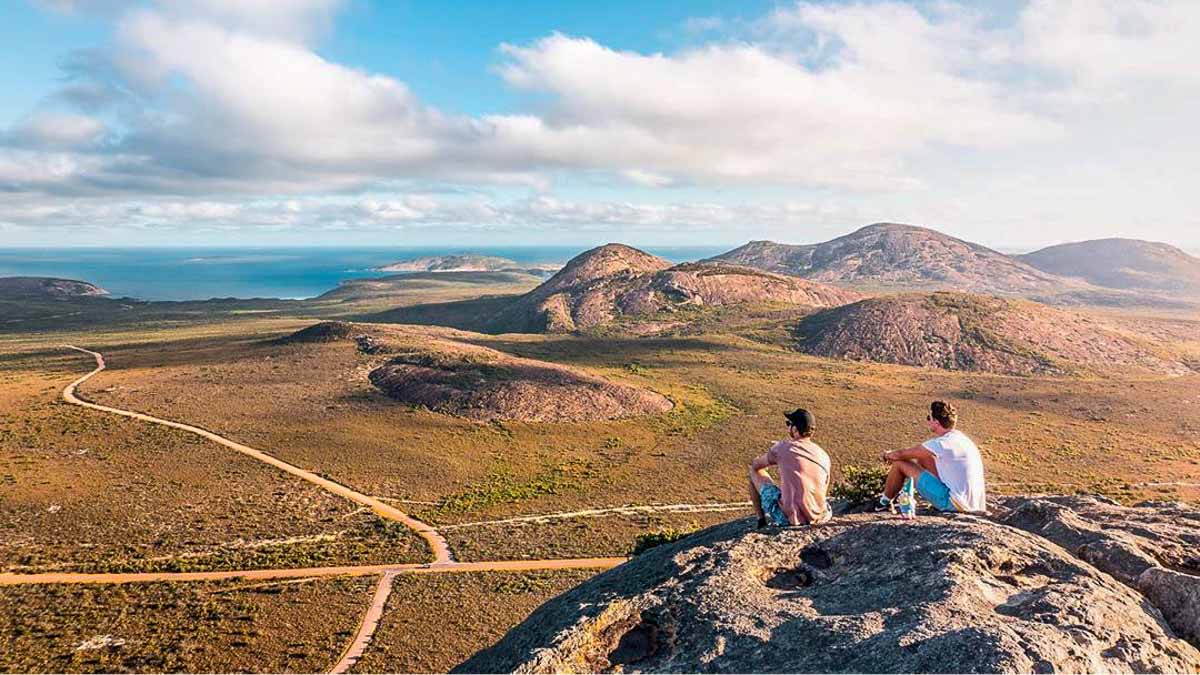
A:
[295,273]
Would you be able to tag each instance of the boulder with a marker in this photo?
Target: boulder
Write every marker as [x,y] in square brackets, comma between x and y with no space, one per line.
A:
[1163,533]
[1151,546]
[865,594]
[1177,596]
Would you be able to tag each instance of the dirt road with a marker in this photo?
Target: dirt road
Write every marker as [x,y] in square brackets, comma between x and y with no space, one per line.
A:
[10,579]
[443,560]
[437,544]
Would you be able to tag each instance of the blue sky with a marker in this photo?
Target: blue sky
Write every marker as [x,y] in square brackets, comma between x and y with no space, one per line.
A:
[444,50]
[1014,123]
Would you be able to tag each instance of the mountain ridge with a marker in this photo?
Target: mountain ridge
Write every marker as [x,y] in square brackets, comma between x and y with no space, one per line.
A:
[901,255]
[1121,263]
[616,283]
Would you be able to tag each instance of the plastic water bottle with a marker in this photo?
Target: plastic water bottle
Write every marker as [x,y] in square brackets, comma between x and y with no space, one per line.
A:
[906,501]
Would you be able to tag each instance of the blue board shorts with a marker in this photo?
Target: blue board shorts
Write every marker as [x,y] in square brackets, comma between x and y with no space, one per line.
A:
[935,492]
[770,495]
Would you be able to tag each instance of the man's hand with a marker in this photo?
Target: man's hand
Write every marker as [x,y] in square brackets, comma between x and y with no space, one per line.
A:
[887,457]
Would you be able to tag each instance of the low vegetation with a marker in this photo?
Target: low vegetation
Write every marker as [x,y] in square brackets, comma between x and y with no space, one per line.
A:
[859,485]
[434,622]
[86,491]
[648,540]
[228,626]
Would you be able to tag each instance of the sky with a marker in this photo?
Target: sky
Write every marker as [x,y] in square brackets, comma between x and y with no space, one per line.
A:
[360,122]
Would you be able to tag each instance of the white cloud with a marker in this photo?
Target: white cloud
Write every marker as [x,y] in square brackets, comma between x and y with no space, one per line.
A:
[55,130]
[944,107]
[743,113]
[260,105]
[1103,44]
[391,212]
[647,178]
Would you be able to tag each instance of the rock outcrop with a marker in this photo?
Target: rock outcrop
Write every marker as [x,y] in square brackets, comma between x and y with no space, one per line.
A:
[326,331]
[440,369]
[621,287]
[616,282]
[1153,547]
[959,331]
[484,384]
[892,254]
[865,594]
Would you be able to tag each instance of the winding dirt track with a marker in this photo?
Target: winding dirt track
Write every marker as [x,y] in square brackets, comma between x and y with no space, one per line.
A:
[10,579]
[443,560]
[366,628]
[437,544]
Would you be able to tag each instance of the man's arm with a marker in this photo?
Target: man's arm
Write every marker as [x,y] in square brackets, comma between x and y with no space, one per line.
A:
[918,452]
[761,462]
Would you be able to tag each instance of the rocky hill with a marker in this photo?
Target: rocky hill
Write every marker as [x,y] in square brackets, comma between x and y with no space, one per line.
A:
[441,370]
[619,284]
[906,256]
[47,288]
[467,262]
[1126,264]
[959,331]
[873,594]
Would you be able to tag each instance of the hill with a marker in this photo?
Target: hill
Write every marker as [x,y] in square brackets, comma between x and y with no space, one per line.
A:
[438,369]
[871,595]
[467,262]
[47,288]
[617,284]
[959,331]
[895,255]
[1126,264]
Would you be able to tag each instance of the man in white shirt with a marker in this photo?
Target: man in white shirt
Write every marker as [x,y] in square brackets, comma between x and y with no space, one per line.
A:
[947,468]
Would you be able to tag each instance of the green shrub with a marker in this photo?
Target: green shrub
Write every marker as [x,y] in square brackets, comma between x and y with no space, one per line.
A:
[859,484]
[648,540]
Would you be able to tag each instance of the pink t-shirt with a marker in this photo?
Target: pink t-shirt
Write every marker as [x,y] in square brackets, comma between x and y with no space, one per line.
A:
[803,479]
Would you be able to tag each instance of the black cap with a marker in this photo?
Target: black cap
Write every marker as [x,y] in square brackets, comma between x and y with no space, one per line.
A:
[803,420]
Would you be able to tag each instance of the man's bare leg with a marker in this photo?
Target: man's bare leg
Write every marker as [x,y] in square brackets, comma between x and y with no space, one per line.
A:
[900,470]
[757,480]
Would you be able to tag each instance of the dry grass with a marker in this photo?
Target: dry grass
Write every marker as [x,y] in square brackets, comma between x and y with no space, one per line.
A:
[569,538]
[86,491]
[141,492]
[312,405]
[183,627]
[433,623]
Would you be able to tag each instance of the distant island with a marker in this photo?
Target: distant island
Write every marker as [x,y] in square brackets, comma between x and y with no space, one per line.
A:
[47,287]
[466,262]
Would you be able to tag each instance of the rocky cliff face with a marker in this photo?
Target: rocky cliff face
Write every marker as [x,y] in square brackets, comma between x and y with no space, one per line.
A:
[891,254]
[865,594]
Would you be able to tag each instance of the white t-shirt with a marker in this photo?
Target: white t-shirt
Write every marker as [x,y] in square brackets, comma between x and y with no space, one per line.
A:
[961,468]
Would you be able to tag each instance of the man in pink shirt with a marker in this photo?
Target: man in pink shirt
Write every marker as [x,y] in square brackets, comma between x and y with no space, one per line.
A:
[799,499]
